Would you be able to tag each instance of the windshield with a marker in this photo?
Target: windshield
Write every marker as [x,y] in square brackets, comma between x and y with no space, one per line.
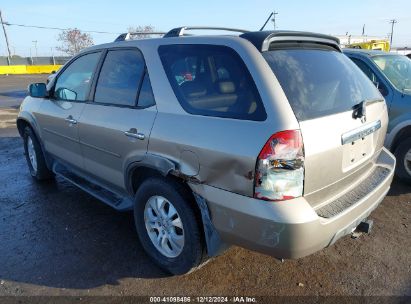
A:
[319,82]
[397,68]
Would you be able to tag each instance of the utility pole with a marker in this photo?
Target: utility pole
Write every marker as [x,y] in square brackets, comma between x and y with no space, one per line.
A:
[273,20]
[52,56]
[7,40]
[392,21]
[35,47]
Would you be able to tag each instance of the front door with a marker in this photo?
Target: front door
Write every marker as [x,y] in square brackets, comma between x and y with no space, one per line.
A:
[59,115]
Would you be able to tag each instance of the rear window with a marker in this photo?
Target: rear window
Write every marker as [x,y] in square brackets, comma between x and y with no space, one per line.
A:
[319,82]
[212,81]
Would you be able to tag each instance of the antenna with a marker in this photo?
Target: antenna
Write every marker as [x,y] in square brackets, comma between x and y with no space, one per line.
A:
[265,23]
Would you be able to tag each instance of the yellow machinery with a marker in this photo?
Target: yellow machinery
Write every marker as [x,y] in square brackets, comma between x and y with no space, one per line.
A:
[381,45]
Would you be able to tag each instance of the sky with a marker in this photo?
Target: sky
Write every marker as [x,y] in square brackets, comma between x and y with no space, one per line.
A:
[323,16]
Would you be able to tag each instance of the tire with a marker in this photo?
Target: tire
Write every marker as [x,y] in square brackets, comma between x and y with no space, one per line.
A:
[35,157]
[184,258]
[403,167]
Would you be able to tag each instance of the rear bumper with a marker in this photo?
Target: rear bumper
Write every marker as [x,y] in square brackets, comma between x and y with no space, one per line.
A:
[289,229]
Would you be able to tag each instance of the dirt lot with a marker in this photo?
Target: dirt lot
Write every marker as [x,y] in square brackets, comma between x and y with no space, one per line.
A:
[57,240]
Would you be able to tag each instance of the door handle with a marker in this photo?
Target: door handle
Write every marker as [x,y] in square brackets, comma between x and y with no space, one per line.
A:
[71,120]
[133,133]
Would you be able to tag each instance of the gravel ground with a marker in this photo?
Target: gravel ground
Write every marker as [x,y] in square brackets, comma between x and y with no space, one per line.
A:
[57,240]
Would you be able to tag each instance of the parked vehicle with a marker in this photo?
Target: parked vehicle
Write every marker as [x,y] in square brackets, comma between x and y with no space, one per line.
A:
[391,73]
[269,140]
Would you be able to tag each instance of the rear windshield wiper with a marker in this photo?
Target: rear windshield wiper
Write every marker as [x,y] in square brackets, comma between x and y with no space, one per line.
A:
[360,108]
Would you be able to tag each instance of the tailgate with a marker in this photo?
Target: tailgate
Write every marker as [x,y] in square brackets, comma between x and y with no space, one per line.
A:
[342,116]
[340,149]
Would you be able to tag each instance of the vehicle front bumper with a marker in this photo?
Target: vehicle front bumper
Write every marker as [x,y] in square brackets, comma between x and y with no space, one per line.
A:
[288,229]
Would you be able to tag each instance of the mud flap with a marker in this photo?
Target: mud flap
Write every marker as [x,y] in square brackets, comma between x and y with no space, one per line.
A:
[215,246]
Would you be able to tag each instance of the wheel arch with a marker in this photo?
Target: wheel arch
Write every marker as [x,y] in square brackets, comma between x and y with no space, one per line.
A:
[140,171]
[404,132]
[27,121]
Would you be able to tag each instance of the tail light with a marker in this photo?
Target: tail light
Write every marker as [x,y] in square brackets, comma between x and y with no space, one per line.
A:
[280,167]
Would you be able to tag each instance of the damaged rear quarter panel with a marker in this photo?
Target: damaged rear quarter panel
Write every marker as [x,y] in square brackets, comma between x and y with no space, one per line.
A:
[226,149]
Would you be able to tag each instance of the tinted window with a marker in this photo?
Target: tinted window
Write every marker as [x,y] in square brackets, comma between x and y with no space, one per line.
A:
[120,78]
[319,82]
[397,68]
[212,80]
[74,83]
[371,75]
[146,98]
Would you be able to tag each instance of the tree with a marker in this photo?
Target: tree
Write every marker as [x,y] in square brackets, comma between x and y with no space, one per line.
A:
[73,41]
[142,29]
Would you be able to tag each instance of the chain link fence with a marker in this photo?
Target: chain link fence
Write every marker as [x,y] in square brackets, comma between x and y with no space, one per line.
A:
[44,60]
[32,56]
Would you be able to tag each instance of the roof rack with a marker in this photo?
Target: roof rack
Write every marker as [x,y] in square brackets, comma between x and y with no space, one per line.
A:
[128,36]
[179,31]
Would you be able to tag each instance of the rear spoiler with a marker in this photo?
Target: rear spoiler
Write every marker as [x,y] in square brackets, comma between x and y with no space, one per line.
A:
[263,39]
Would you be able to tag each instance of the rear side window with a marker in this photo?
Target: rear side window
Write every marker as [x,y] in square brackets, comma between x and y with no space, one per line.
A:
[212,81]
[319,82]
[120,78]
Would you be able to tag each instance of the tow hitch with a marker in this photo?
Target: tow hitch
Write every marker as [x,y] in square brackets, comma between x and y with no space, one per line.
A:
[363,227]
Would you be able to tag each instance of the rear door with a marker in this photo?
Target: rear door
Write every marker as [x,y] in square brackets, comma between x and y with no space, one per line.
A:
[115,127]
[326,91]
[59,115]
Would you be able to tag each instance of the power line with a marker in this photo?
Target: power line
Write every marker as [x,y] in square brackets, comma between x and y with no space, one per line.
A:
[55,28]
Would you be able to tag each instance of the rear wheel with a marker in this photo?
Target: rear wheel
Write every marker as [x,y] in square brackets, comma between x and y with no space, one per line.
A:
[403,156]
[34,156]
[167,226]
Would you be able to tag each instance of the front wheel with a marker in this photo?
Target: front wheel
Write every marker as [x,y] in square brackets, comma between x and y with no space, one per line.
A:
[403,156]
[34,156]
[167,226]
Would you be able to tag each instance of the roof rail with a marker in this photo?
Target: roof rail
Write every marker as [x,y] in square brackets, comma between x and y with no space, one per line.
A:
[128,36]
[179,31]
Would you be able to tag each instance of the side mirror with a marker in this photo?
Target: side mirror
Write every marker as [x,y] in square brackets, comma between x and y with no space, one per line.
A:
[37,90]
[383,91]
[66,94]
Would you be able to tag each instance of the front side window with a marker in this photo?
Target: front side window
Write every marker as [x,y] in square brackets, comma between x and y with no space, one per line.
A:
[371,75]
[397,68]
[120,78]
[319,82]
[74,83]
[212,81]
